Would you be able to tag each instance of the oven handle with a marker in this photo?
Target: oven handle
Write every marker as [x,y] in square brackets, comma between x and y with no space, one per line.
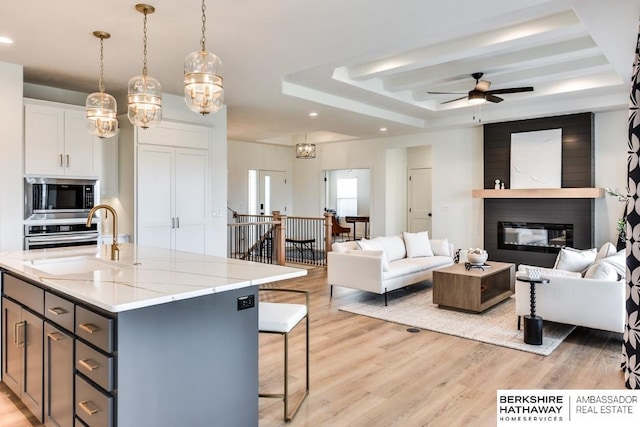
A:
[62,239]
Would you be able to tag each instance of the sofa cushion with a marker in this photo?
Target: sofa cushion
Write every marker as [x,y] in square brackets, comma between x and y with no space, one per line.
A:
[440,247]
[375,254]
[605,251]
[370,245]
[570,259]
[344,247]
[431,262]
[393,246]
[401,267]
[417,244]
[601,271]
[618,261]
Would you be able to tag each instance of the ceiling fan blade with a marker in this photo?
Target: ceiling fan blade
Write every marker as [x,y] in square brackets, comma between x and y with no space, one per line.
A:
[453,100]
[493,98]
[482,86]
[511,90]
[445,93]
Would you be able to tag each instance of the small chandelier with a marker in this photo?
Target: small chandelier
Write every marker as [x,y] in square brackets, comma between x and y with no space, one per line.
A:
[145,93]
[305,150]
[101,107]
[203,91]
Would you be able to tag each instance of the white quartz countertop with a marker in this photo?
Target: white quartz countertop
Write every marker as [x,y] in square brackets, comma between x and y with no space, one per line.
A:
[143,277]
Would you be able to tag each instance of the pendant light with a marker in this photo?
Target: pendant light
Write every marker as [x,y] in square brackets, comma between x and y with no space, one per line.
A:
[306,150]
[203,90]
[101,107]
[145,93]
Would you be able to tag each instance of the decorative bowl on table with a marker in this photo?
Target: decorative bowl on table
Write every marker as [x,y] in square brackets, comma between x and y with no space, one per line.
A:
[477,256]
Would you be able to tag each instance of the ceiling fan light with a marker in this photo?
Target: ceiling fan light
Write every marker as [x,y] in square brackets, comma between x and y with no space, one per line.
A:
[203,90]
[476,98]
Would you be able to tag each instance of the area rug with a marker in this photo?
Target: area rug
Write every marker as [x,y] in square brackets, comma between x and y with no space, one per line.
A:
[497,325]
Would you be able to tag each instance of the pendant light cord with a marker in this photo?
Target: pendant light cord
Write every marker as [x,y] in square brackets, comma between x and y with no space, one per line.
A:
[204,25]
[100,83]
[144,42]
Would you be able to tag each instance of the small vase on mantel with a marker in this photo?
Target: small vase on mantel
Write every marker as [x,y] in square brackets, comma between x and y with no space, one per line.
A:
[497,186]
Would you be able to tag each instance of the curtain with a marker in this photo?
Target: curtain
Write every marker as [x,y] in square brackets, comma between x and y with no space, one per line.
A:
[630,350]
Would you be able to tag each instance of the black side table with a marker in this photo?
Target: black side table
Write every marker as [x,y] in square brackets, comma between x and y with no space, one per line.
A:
[533,323]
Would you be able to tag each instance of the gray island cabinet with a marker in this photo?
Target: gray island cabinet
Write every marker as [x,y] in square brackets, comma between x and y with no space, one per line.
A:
[157,338]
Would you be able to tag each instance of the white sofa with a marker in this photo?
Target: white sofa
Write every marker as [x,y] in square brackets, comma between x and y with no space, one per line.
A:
[594,301]
[386,263]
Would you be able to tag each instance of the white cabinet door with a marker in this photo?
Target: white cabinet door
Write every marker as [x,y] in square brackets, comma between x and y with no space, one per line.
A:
[155,194]
[190,199]
[172,197]
[109,180]
[80,147]
[43,140]
[57,142]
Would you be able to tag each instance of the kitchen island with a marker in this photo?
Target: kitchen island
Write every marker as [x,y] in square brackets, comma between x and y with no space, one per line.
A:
[160,337]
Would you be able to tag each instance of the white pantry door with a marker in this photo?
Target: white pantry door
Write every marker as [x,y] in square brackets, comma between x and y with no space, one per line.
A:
[273,192]
[420,200]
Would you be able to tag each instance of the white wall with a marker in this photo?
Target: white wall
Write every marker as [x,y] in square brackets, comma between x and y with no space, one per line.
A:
[611,145]
[11,157]
[243,156]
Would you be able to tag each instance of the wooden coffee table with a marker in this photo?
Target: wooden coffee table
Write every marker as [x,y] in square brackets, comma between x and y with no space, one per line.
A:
[473,290]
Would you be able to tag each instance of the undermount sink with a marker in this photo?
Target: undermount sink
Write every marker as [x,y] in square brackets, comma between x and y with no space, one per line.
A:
[70,265]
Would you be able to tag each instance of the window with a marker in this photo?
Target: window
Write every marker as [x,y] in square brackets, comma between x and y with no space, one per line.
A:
[347,195]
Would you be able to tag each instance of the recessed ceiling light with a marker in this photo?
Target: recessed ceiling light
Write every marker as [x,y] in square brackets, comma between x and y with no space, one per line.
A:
[313,114]
[383,129]
[5,40]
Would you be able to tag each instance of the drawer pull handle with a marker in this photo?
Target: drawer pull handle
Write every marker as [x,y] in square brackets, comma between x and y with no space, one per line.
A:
[89,327]
[88,407]
[56,336]
[18,338]
[88,364]
[57,311]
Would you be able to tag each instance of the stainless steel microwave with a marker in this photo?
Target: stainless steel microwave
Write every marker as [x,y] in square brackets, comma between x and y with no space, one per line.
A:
[55,197]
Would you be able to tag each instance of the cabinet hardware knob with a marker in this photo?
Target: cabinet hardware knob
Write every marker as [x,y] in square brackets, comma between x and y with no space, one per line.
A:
[89,327]
[57,310]
[88,364]
[88,407]
[56,336]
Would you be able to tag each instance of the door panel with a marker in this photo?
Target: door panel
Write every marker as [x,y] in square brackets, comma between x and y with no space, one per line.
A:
[12,333]
[155,212]
[420,200]
[59,363]
[33,388]
[190,199]
[273,191]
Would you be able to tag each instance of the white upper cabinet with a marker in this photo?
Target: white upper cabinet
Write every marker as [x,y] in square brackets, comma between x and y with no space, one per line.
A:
[57,142]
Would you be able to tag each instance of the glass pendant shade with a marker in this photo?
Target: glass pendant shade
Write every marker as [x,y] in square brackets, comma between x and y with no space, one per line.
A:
[101,115]
[203,90]
[144,101]
[305,151]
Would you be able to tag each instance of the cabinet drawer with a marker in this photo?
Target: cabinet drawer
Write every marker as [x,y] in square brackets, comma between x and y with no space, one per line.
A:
[58,310]
[94,328]
[94,365]
[92,406]
[25,293]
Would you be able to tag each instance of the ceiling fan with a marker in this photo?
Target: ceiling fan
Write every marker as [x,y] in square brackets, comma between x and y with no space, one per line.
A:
[481,93]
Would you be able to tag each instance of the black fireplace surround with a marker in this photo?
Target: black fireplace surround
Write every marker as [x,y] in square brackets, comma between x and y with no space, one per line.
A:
[535,237]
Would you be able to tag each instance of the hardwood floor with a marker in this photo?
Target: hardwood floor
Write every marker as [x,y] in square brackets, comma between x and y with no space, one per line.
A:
[367,372]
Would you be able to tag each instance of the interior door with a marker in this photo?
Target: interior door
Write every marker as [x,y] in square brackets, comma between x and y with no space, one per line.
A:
[155,214]
[273,192]
[190,199]
[420,200]
[12,347]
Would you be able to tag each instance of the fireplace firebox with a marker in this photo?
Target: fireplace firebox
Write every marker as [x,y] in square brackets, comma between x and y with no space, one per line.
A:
[535,237]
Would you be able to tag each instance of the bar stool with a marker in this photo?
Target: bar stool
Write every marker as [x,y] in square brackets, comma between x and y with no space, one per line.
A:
[281,318]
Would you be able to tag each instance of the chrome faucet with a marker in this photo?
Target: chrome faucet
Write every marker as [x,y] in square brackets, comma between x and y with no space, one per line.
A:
[115,250]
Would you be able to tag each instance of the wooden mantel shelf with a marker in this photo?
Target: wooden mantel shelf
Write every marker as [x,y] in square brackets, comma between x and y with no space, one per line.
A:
[540,193]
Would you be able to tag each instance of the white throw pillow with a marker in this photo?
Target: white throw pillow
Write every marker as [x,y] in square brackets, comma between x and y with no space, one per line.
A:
[570,259]
[417,244]
[606,251]
[546,272]
[344,247]
[374,254]
[618,262]
[601,271]
[440,247]
[370,245]
[393,247]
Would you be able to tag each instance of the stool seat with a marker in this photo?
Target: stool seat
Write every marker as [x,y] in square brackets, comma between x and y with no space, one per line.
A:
[279,317]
